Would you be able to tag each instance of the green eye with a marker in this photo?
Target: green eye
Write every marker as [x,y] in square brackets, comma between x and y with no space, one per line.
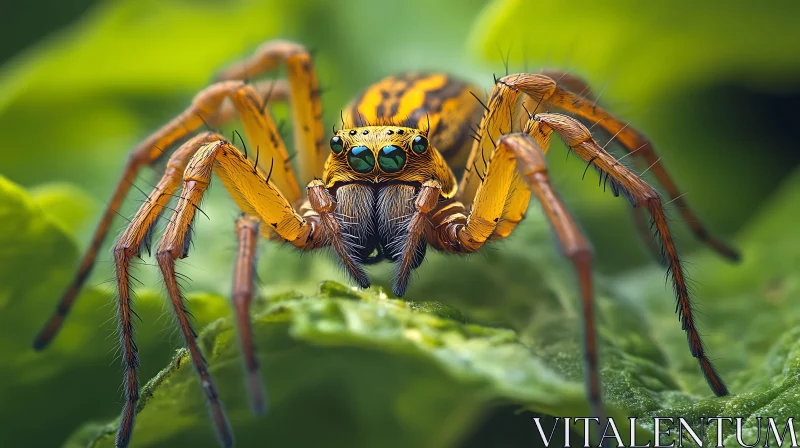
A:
[391,159]
[361,159]
[419,144]
[337,145]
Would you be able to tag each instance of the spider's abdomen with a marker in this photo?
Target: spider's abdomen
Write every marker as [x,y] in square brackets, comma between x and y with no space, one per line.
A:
[432,101]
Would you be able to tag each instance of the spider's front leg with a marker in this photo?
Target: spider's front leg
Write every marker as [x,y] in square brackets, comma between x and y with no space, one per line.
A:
[210,106]
[495,199]
[260,199]
[135,238]
[576,99]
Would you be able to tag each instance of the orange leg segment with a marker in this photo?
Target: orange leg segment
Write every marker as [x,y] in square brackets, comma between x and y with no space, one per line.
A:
[643,195]
[521,154]
[133,240]
[309,136]
[545,90]
[205,104]
[247,233]
[209,106]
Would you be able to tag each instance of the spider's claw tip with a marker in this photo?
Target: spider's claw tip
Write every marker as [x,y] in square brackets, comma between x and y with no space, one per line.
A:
[40,343]
[43,339]
[734,255]
[399,289]
[258,400]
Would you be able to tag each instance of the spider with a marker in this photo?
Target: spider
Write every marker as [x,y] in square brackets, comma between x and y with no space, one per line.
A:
[383,187]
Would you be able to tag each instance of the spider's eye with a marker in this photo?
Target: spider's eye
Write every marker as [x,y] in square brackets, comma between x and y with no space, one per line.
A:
[337,145]
[361,159]
[391,159]
[419,144]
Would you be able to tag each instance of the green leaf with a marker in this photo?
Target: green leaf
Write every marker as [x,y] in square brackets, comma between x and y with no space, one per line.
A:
[497,339]
[38,259]
[368,370]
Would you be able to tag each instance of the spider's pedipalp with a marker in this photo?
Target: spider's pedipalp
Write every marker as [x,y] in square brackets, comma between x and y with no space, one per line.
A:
[323,204]
[413,248]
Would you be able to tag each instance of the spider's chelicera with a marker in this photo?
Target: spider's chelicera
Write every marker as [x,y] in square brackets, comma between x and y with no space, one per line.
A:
[406,171]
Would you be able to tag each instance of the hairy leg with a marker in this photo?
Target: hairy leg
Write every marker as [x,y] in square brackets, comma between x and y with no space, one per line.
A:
[253,192]
[205,104]
[134,239]
[519,156]
[210,106]
[544,89]
[309,136]
[247,234]
[323,204]
[640,194]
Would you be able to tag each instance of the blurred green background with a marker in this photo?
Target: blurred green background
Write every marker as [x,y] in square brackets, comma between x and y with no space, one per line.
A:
[715,88]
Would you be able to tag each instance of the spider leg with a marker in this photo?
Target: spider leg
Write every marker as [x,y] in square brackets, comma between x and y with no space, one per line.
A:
[257,196]
[519,155]
[641,222]
[270,91]
[581,88]
[567,80]
[305,94]
[247,233]
[175,244]
[134,239]
[544,89]
[640,194]
[205,104]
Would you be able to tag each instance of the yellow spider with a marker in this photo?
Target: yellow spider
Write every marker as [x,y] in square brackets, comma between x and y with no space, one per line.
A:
[382,187]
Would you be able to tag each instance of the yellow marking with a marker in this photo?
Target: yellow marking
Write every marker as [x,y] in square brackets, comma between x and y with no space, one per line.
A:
[435,103]
[502,102]
[414,97]
[265,144]
[306,110]
[249,189]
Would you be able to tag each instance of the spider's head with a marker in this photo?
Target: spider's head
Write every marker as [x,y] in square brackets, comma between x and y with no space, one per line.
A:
[385,153]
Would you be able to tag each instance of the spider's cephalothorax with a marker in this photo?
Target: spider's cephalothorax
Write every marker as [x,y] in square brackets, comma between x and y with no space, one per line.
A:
[384,186]
[375,173]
